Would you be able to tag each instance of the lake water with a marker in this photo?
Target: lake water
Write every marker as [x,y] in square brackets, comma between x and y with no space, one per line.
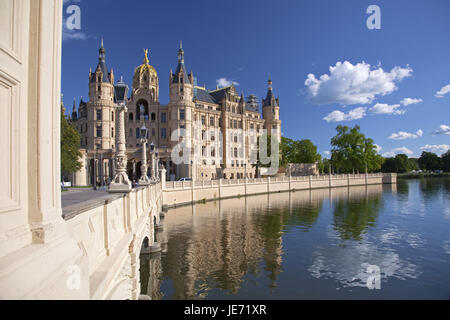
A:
[319,244]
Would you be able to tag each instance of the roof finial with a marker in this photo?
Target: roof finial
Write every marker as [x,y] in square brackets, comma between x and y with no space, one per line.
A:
[181,44]
[146,56]
[102,43]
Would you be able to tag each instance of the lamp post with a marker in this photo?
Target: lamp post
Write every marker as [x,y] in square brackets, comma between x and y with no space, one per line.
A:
[144,180]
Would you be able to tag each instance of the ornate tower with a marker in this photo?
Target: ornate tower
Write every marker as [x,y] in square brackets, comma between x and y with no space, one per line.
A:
[181,109]
[100,108]
[271,113]
[145,80]
[143,107]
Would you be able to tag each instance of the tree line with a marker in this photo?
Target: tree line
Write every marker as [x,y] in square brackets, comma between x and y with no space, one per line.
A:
[353,152]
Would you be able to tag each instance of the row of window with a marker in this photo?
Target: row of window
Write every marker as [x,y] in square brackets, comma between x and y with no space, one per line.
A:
[163,134]
[163,119]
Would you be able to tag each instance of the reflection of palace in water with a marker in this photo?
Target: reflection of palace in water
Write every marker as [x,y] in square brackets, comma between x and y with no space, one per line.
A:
[217,244]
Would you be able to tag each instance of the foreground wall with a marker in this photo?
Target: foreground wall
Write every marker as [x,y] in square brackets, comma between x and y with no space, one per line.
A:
[36,249]
[179,193]
[111,234]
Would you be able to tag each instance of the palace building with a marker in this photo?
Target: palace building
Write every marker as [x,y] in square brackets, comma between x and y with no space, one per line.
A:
[201,134]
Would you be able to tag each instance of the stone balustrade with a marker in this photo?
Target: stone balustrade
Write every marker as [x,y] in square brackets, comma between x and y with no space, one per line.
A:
[179,193]
[111,233]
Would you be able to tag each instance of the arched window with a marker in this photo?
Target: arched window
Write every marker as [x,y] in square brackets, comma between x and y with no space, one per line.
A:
[137,133]
[112,116]
[153,116]
[144,104]
[130,116]
[112,132]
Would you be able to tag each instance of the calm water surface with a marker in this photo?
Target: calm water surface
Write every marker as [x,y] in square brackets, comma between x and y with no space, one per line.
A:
[308,245]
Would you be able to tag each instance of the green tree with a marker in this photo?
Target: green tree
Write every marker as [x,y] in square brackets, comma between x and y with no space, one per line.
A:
[70,145]
[402,163]
[298,151]
[353,151]
[430,161]
[389,165]
[325,166]
[446,161]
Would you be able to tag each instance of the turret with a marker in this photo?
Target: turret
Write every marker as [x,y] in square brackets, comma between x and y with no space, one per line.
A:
[101,81]
[271,112]
[181,83]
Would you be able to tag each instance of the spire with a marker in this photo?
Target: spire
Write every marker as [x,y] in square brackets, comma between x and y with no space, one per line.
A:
[74,116]
[101,65]
[180,67]
[270,99]
[101,53]
[181,53]
[146,61]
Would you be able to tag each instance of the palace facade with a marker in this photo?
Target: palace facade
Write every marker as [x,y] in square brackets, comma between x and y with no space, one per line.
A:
[202,134]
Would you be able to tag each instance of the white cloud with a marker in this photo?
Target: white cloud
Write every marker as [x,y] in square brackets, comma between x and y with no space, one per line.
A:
[444,90]
[327,152]
[401,135]
[378,148]
[395,151]
[440,149]
[338,116]
[408,101]
[349,84]
[443,129]
[383,108]
[224,82]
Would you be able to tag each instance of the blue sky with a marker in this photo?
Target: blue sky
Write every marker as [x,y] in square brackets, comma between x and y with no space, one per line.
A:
[387,80]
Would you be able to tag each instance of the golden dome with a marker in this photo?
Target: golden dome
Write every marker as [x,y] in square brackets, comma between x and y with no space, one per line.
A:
[145,67]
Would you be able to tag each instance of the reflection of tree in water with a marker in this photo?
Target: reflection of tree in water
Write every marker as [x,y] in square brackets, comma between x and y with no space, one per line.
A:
[403,187]
[305,216]
[352,218]
[429,187]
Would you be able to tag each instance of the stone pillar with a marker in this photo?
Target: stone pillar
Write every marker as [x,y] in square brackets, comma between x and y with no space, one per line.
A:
[120,183]
[162,176]
[144,180]
[38,255]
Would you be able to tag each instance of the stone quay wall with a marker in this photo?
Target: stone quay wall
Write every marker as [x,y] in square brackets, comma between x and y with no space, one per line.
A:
[187,192]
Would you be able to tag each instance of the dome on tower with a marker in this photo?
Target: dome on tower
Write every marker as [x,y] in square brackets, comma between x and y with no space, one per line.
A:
[145,71]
